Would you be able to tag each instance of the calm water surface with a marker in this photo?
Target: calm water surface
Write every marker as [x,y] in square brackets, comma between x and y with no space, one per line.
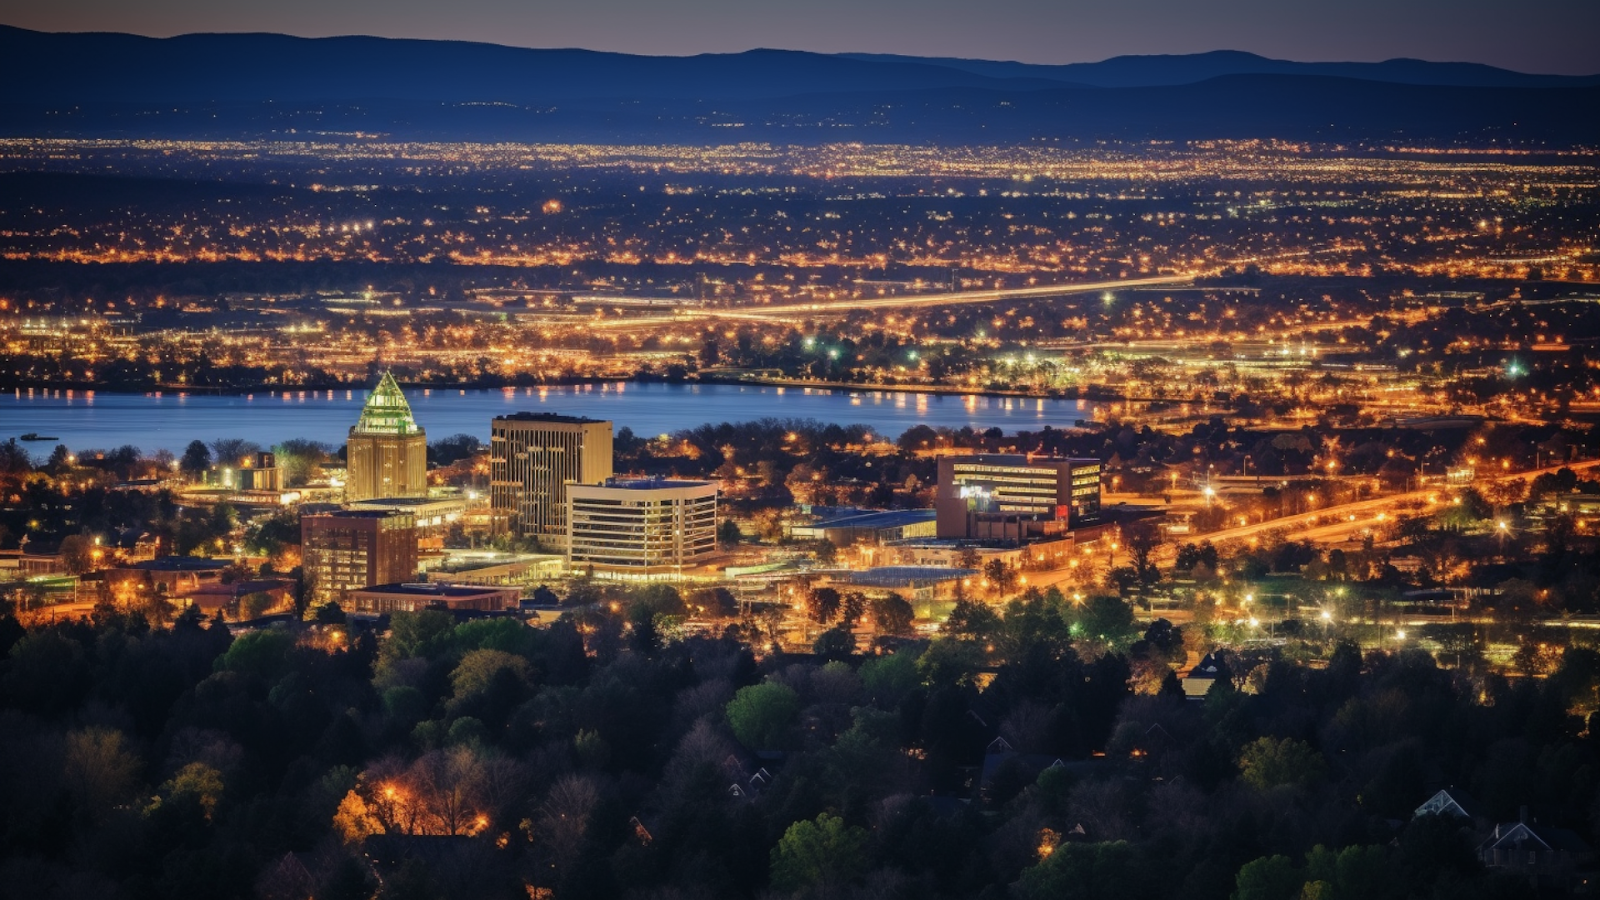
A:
[83,420]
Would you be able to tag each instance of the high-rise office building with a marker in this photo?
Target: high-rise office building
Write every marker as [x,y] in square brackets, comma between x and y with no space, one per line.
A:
[1011,497]
[646,527]
[533,457]
[387,452]
[346,549]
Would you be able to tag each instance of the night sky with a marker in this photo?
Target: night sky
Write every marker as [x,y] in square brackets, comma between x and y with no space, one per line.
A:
[1551,36]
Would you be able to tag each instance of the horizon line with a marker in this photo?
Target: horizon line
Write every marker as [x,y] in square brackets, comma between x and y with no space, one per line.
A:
[908,57]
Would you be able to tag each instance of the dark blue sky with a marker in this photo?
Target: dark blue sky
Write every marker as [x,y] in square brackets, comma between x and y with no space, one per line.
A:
[1552,36]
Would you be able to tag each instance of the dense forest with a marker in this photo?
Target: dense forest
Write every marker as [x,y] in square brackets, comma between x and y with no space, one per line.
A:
[1016,754]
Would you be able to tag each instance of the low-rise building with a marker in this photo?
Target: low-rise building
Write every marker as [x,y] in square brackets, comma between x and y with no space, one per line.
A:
[919,583]
[167,576]
[875,526]
[433,515]
[255,472]
[1043,554]
[1015,498]
[244,600]
[492,567]
[643,527]
[31,561]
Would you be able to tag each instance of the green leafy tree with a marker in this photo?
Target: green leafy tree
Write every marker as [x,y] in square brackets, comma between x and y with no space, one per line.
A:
[761,714]
[1108,620]
[1266,763]
[478,669]
[196,459]
[1268,878]
[892,614]
[299,460]
[254,605]
[453,449]
[823,854]
[887,679]
[200,781]
[1354,873]
[99,768]
[951,661]
[1104,871]
[836,643]
[425,634]
[263,653]
[972,620]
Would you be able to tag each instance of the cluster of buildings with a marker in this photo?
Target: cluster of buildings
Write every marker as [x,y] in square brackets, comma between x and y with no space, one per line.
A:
[553,492]
[551,483]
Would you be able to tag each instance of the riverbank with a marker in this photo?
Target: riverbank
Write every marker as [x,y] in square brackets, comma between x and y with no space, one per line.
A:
[1092,393]
[170,419]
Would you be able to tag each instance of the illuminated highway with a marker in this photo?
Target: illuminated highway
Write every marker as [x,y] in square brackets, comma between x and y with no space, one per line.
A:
[789,310]
[1335,523]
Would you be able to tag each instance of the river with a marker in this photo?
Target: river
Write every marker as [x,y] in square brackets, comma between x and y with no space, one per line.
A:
[169,420]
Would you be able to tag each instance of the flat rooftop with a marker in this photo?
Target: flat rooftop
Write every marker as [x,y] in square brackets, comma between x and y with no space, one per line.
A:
[1021,459]
[648,484]
[551,418]
[462,563]
[430,589]
[178,564]
[887,518]
[906,576]
[241,588]
[407,502]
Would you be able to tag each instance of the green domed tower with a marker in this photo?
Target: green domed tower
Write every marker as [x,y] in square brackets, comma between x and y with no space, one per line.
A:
[387,454]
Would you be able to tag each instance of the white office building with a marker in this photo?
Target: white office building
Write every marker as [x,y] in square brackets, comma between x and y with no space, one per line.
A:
[641,527]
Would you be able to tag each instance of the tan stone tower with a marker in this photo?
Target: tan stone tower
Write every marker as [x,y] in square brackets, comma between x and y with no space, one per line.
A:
[533,457]
[387,454]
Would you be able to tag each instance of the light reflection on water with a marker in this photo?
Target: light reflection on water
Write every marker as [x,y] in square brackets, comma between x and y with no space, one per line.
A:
[167,419]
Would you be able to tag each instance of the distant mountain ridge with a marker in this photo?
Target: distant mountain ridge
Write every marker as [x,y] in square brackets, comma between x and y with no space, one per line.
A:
[1170,70]
[265,85]
[123,68]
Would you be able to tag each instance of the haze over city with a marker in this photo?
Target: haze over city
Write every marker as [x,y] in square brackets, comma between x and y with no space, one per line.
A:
[884,450]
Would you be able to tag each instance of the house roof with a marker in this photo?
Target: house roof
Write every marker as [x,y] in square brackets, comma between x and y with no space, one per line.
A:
[1209,666]
[1517,835]
[1450,801]
[1031,763]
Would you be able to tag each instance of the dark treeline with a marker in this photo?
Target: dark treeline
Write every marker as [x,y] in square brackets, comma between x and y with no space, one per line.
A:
[603,757]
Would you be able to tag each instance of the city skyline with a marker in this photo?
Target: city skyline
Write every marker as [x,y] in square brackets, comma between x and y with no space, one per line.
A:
[444,471]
